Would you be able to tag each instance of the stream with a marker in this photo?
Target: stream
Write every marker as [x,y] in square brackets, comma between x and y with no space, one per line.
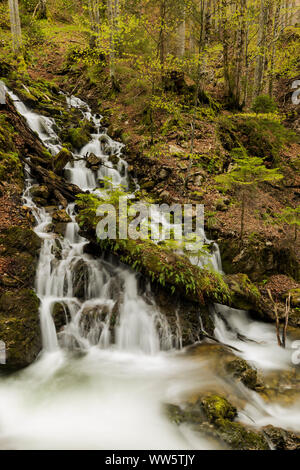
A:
[92,388]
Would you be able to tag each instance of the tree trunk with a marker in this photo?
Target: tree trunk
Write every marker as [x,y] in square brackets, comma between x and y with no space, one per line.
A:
[274,46]
[226,52]
[162,33]
[113,15]
[181,37]
[240,57]
[259,70]
[15,25]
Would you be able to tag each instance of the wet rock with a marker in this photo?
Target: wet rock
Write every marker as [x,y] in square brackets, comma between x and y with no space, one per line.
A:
[57,248]
[93,319]
[93,161]
[114,159]
[61,160]
[80,278]
[282,439]
[60,228]
[241,370]
[61,315]
[20,327]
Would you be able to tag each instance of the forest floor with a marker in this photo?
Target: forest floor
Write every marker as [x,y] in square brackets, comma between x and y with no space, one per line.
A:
[162,169]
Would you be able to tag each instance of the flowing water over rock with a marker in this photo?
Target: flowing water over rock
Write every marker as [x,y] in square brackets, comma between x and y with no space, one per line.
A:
[103,378]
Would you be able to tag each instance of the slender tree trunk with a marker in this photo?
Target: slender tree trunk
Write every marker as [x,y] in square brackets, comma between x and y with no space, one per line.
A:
[95,21]
[240,57]
[162,34]
[259,70]
[274,46]
[225,40]
[15,25]
[181,37]
[246,80]
[113,14]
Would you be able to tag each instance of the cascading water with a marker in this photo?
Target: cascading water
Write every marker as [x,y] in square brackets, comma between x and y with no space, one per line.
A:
[95,386]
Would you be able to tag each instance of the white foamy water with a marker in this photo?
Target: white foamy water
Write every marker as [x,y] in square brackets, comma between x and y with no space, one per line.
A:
[102,382]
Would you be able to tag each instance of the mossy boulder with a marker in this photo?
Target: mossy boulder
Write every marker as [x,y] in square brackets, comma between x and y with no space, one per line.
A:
[257,258]
[221,414]
[16,239]
[218,408]
[11,169]
[20,327]
[61,216]
[78,137]
[40,193]
[244,294]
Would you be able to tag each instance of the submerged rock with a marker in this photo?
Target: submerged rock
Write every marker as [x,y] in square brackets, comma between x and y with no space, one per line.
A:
[282,439]
[214,416]
[80,276]
[240,369]
[61,315]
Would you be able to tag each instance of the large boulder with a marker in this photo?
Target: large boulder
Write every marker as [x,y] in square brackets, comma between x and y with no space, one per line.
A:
[20,327]
[15,239]
[258,259]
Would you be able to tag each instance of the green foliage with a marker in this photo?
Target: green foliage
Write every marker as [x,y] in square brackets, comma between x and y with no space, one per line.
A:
[290,216]
[261,135]
[247,172]
[264,104]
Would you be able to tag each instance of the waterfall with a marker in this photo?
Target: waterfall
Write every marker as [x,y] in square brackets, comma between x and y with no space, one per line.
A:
[139,326]
[101,382]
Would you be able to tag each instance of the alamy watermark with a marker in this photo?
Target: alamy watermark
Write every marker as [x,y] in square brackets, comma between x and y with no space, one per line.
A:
[142,221]
[296,353]
[2,353]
